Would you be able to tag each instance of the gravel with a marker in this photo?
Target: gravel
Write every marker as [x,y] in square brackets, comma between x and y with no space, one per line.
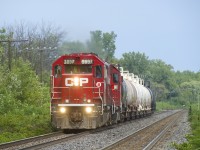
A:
[176,134]
[101,139]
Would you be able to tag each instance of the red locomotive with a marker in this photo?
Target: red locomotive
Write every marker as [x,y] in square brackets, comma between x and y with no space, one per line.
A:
[87,92]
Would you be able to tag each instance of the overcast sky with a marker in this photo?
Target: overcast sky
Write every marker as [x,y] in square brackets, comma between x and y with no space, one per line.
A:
[162,29]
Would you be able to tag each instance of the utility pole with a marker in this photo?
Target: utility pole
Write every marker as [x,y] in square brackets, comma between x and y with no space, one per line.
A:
[9,41]
[42,52]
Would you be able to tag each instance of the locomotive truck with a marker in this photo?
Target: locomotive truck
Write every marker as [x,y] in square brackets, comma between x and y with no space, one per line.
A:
[87,93]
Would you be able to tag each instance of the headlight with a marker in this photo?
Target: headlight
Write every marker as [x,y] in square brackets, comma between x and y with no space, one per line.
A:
[88,109]
[76,81]
[62,110]
[89,100]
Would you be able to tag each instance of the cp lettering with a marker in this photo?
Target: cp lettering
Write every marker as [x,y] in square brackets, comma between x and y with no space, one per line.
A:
[75,81]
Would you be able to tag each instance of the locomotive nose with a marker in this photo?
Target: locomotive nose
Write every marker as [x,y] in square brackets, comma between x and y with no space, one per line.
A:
[78,89]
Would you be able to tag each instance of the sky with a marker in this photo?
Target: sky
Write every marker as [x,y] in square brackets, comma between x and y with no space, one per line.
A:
[162,29]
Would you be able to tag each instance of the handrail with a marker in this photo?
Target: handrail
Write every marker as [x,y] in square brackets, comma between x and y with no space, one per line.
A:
[113,106]
[52,85]
[102,103]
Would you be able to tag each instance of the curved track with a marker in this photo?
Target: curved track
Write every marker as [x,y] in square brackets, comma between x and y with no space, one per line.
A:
[146,137]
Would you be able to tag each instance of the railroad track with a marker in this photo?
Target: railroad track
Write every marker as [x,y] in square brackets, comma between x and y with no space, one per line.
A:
[54,142]
[67,138]
[24,142]
[146,137]
[43,140]
[58,137]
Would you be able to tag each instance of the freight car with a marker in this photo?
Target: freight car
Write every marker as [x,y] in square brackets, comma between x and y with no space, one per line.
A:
[87,92]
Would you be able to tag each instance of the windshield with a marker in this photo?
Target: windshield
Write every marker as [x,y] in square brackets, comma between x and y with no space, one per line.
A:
[78,69]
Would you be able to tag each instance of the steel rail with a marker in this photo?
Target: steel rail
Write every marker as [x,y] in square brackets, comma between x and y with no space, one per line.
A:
[65,139]
[28,140]
[159,136]
[54,142]
[125,139]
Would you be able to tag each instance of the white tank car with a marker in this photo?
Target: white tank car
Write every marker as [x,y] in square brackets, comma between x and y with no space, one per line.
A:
[137,95]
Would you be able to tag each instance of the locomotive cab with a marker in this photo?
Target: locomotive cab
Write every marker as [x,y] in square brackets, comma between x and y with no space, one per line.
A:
[78,91]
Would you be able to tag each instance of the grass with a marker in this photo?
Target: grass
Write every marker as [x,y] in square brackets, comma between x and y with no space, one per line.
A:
[23,124]
[165,105]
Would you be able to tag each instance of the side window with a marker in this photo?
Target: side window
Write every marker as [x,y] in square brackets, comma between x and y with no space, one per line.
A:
[58,71]
[98,72]
[115,78]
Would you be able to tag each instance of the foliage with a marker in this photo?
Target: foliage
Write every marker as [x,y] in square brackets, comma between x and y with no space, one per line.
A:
[191,85]
[22,84]
[162,74]
[137,63]
[194,117]
[72,47]
[166,105]
[184,146]
[26,122]
[108,40]
[40,49]
[95,43]
[24,98]
[103,44]
[186,76]
[2,37]
[159,91]
[24,103]
[189,91]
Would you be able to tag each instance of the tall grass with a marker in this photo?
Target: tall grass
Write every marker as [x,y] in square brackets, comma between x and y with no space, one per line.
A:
[166,105]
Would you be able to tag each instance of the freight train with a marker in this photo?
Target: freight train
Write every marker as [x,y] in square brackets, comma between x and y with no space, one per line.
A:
[87,93]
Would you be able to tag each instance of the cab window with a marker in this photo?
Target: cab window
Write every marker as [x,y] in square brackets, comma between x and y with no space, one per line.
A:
[58,71]
[98,72]
[115,78]
[78,69]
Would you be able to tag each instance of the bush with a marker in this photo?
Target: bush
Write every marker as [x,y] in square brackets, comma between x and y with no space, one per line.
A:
[164,105]
[22,125]
[24,103]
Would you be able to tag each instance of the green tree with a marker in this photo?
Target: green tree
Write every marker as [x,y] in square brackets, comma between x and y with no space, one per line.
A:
[95,43]
[159,91]
[186,76]
[72,47]
[20,86]
[190,90]
[2,46]
[163,73]
[109,45]
[103,44]
[135,62]
[41,48]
